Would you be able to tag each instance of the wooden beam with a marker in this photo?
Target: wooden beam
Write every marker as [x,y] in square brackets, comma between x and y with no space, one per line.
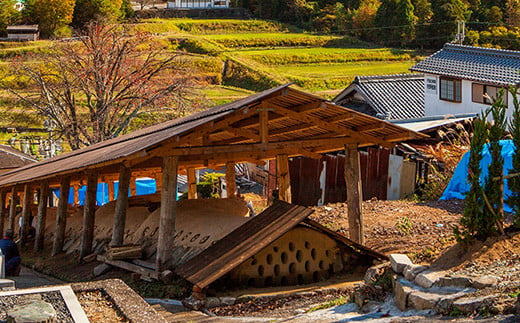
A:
[118,231]
[331,126]
[283,178]
[192,184]
[3,213]
[61,216]
[372,127]
[26,212]
[168,212]
[249,134]
[43,199]
[111,193]
[89,215]
[354,193]
[264,126]
[12,208]
[133,186]
[230,179]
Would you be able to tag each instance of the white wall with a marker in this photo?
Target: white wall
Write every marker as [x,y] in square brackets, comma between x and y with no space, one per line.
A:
[197,4]
[434,106]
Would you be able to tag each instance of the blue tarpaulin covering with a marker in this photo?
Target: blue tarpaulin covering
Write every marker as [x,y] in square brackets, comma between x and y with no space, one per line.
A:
[459,184]
[143,186]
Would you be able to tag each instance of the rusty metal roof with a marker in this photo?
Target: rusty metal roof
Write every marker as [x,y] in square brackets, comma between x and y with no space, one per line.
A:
[13,158]
[250,238]
[140,143]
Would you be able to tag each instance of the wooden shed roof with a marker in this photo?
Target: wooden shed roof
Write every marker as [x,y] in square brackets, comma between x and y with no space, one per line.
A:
[297,123]
[250,238]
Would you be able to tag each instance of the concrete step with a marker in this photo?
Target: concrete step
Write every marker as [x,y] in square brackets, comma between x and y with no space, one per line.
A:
[411,295]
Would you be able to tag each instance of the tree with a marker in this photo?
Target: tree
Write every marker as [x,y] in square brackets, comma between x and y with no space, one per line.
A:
[50,15]
[364,17]
[8,14]
[92,91]
[398,16]
[514,183]
[90,10]
[422,9]
[513,13]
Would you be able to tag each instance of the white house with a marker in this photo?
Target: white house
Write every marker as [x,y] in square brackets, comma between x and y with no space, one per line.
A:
[458,78]
[198,4]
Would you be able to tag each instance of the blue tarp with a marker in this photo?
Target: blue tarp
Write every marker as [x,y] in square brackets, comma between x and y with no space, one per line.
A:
[143,186]
[459,184]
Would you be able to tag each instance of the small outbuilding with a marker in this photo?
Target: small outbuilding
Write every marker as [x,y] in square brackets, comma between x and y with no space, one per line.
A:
[23,32]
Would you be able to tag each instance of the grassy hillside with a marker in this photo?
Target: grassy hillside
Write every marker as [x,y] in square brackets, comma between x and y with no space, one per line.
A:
[234,58]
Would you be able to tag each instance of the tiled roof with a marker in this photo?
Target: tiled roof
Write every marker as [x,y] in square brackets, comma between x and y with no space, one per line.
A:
[392,97]
[496,66]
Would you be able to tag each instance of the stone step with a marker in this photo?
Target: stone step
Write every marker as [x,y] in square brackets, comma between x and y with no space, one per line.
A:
[440,299]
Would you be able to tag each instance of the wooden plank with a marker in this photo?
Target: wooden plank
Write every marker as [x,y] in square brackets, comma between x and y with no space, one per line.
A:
[42,216]
[230,179]
[12,208]
[133,186]
[354,193]
[61,216]
[89,216]
[242,243]
[264,126]
[76,194]
[26,212]
[3,194]
[111,193]
[118,231]
[166,236]
[283,178]
[130,267]
[192,183]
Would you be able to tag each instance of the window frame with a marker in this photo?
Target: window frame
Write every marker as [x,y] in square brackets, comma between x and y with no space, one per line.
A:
[455,81]
[484,86]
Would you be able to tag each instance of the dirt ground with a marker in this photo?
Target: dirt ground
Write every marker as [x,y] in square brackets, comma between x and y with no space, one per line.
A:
[421,230]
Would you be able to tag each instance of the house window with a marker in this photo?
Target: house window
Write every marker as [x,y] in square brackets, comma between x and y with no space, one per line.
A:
[482,93]
[451,90]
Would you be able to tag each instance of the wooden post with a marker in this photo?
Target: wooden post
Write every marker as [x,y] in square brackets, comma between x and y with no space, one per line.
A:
[26,211]
[61,216]
[230,179]
[158,182]
[76,194]
[42,216]
[3,195]
[354,193]
[284,180]
[89,215]
[111,193]
[133,187]
[264,126]
[118,232]
[192,183]
[168,211]
[12,208]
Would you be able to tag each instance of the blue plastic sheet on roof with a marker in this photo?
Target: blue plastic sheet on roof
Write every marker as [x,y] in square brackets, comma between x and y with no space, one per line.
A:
[144,186]
[459,184]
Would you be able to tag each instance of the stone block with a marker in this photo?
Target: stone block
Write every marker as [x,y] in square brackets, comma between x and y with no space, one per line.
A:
[36,311]
[426,279]
[7,284]
[411,271]
[469,305]
[211,302]
[374,272]
[455,281]
[399,262]
[227,300]
[401,293]
[445,303]
[484,282]
[423,300]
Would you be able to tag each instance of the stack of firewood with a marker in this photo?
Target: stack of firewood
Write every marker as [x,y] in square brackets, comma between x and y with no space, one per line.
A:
[124,252]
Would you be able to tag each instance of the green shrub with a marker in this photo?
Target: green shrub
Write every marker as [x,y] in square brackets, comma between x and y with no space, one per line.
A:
[201,46]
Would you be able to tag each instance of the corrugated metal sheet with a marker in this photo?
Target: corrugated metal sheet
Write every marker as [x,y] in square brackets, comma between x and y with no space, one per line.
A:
[117,149]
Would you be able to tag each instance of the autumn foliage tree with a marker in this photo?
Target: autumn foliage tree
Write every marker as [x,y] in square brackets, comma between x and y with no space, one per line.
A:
[51,15]
[92,90]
